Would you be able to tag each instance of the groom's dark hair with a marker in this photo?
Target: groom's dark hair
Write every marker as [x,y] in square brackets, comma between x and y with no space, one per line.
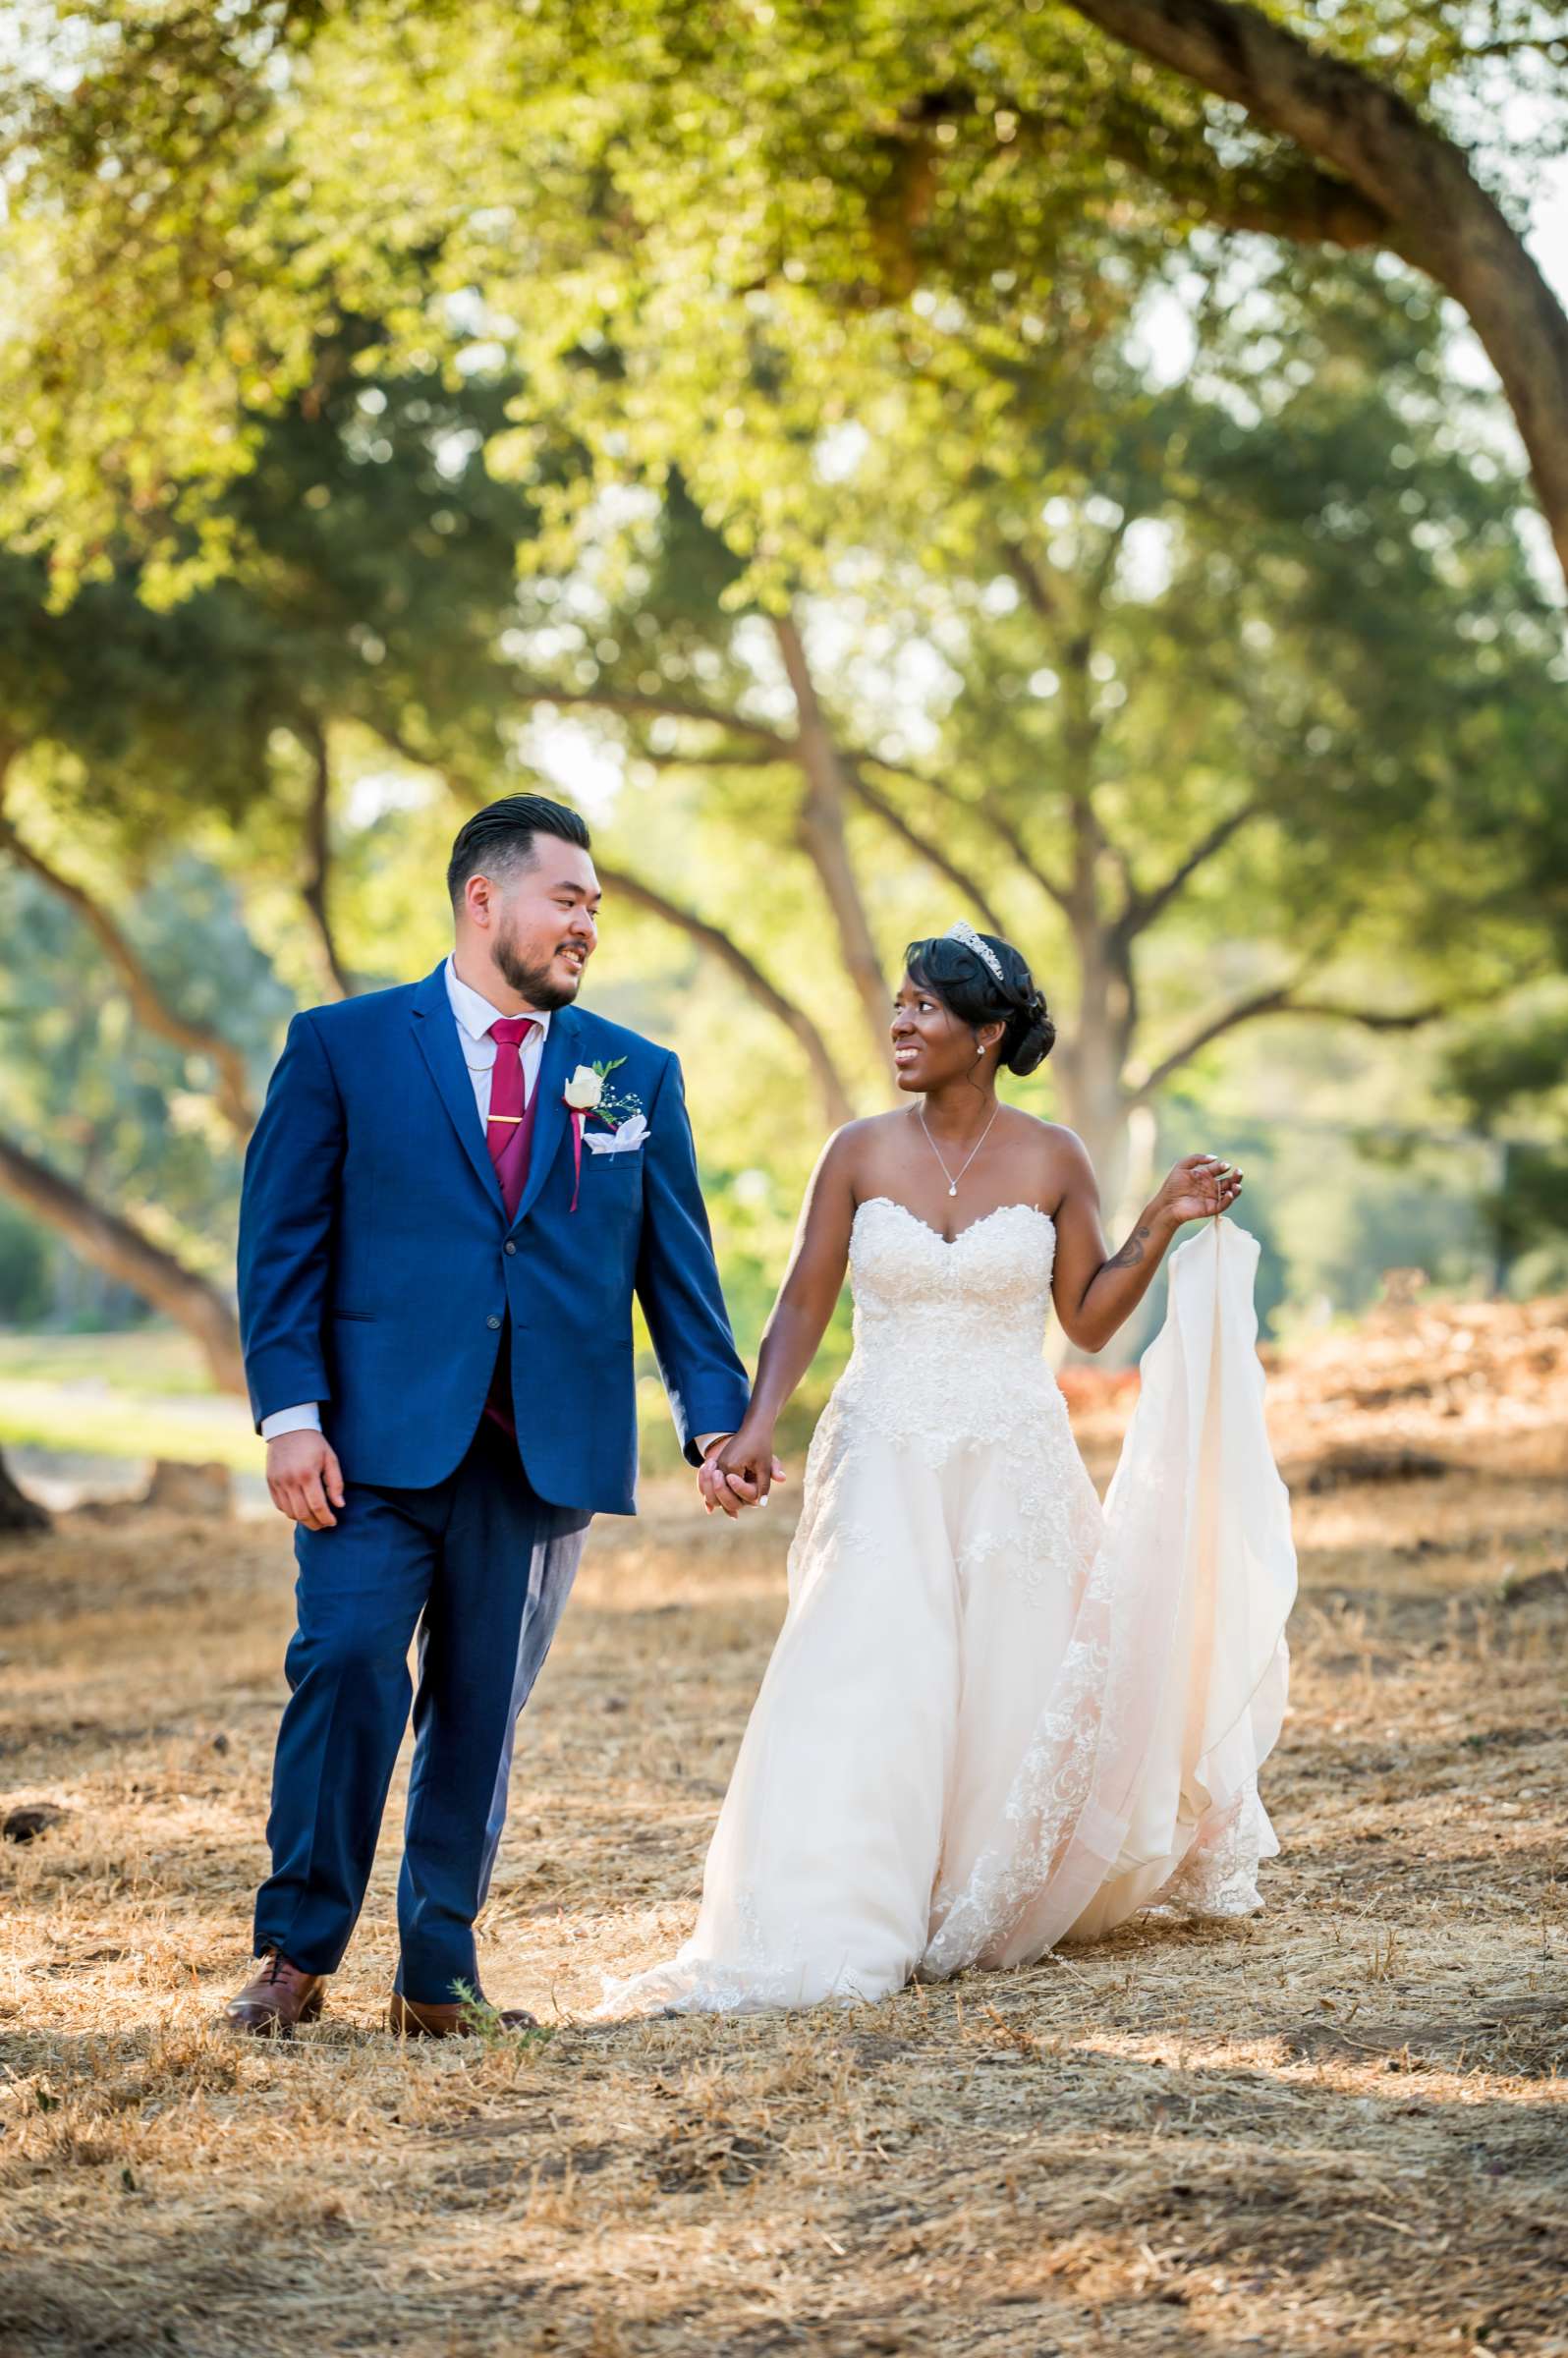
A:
[501,836]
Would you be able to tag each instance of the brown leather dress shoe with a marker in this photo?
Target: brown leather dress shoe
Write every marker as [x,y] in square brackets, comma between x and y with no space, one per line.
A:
[412,2020]
[278,1997]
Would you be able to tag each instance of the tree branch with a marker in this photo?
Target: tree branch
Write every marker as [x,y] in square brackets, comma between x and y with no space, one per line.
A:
[1288,197]
[147,1002]
[773,748]
[1144,907]
[759,757]
[769,745]
[719,946]
[1103,571]
[1440,217]
[1042,598]
[633,702]
[1373,1019]
[1009,833]
[1291,199]
[1074,645]
[1280,1001]
[986,811]
[821,830]
[922,845]
[117,1245]
[1262,1002]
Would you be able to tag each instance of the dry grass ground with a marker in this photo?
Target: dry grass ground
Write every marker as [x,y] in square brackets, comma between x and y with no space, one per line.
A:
[1337,2129]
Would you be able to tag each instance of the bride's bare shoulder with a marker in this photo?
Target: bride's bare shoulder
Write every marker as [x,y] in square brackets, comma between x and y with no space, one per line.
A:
[1046,1134]
[1057,1134]
[1063,1156]
[855,1158]
[850,1148]
[852,1138]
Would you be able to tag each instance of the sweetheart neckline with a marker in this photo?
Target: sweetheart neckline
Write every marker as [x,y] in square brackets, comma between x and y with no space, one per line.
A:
[950,1241]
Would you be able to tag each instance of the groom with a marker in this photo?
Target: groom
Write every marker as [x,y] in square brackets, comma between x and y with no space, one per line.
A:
[453,1193]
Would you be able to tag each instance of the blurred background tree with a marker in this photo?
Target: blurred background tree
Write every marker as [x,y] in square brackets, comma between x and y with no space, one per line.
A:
[881,472]
[198,197]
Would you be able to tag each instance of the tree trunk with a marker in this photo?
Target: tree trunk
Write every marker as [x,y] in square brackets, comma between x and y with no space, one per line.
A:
[1439,216]
[112,1244]
[316,881]
[18,1512]
[822,834]
[1091,1062]
[1094,1103]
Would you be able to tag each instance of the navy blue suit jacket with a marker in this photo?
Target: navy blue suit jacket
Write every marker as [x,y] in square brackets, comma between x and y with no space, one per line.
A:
[378,1265]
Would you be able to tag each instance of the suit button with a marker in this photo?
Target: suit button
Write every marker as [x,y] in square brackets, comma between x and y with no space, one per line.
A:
[510,1246]
[492,1321]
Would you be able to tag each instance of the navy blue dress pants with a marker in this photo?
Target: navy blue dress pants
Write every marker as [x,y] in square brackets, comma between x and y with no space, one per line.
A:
[480,1567]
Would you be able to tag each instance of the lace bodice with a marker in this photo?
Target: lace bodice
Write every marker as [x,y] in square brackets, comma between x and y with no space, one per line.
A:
[949,1337]
[997,1273]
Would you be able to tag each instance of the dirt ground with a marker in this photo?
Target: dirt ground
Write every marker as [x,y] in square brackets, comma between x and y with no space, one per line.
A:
[1338,2129]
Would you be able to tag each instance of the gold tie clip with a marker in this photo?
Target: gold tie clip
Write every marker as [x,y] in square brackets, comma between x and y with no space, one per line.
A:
[503,1117]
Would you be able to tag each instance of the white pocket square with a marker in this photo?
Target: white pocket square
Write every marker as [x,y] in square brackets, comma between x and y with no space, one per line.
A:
[632,1134]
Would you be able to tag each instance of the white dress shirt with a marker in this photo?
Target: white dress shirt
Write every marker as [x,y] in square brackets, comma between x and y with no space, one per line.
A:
[473,1016]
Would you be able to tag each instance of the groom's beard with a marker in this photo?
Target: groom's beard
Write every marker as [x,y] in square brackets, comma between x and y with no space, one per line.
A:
[534,984]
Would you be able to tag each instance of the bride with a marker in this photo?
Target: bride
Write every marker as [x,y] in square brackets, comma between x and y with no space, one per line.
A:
[996,1715]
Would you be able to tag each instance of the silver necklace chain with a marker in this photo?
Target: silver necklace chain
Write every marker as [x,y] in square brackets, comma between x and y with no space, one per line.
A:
[952,1181]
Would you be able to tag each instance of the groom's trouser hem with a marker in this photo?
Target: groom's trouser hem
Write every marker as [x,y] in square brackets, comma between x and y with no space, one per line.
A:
[466,1720]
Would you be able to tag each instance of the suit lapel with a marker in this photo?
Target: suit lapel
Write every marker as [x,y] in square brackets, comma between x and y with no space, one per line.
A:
[435,1029]
[562,1043]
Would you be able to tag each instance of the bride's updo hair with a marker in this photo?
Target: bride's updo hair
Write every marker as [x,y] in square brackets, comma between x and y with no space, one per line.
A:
[960,977]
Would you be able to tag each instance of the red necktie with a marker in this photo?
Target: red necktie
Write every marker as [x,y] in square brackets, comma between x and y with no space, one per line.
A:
[507,1130]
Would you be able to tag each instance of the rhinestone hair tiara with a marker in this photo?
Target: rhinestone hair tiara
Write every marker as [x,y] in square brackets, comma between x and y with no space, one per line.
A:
[965,932]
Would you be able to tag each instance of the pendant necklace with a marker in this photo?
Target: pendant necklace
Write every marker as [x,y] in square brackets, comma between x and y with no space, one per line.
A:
[952,1183]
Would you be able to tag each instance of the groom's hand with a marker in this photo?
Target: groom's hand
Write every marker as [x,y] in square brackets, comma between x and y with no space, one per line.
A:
[304,1479]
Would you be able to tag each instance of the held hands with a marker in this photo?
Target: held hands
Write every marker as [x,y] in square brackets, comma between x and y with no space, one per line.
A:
[738,1471]
[1199,1187]
[304,1479]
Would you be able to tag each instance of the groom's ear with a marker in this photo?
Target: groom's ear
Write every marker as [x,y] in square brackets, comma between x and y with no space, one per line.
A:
[478,901]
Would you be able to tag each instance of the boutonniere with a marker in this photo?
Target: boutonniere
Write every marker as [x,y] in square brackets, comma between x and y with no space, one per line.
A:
[588,1091]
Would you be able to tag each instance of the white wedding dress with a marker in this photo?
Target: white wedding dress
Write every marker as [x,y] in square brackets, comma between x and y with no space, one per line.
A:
[996,1715]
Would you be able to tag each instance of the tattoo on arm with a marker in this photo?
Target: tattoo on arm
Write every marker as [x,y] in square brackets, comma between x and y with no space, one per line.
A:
[1132,1252]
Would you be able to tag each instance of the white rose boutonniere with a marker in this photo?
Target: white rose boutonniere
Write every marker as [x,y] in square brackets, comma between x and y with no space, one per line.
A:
[588,1091]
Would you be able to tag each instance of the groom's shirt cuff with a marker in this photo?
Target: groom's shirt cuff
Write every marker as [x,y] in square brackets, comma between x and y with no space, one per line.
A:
[306,1418]
[702,1440]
